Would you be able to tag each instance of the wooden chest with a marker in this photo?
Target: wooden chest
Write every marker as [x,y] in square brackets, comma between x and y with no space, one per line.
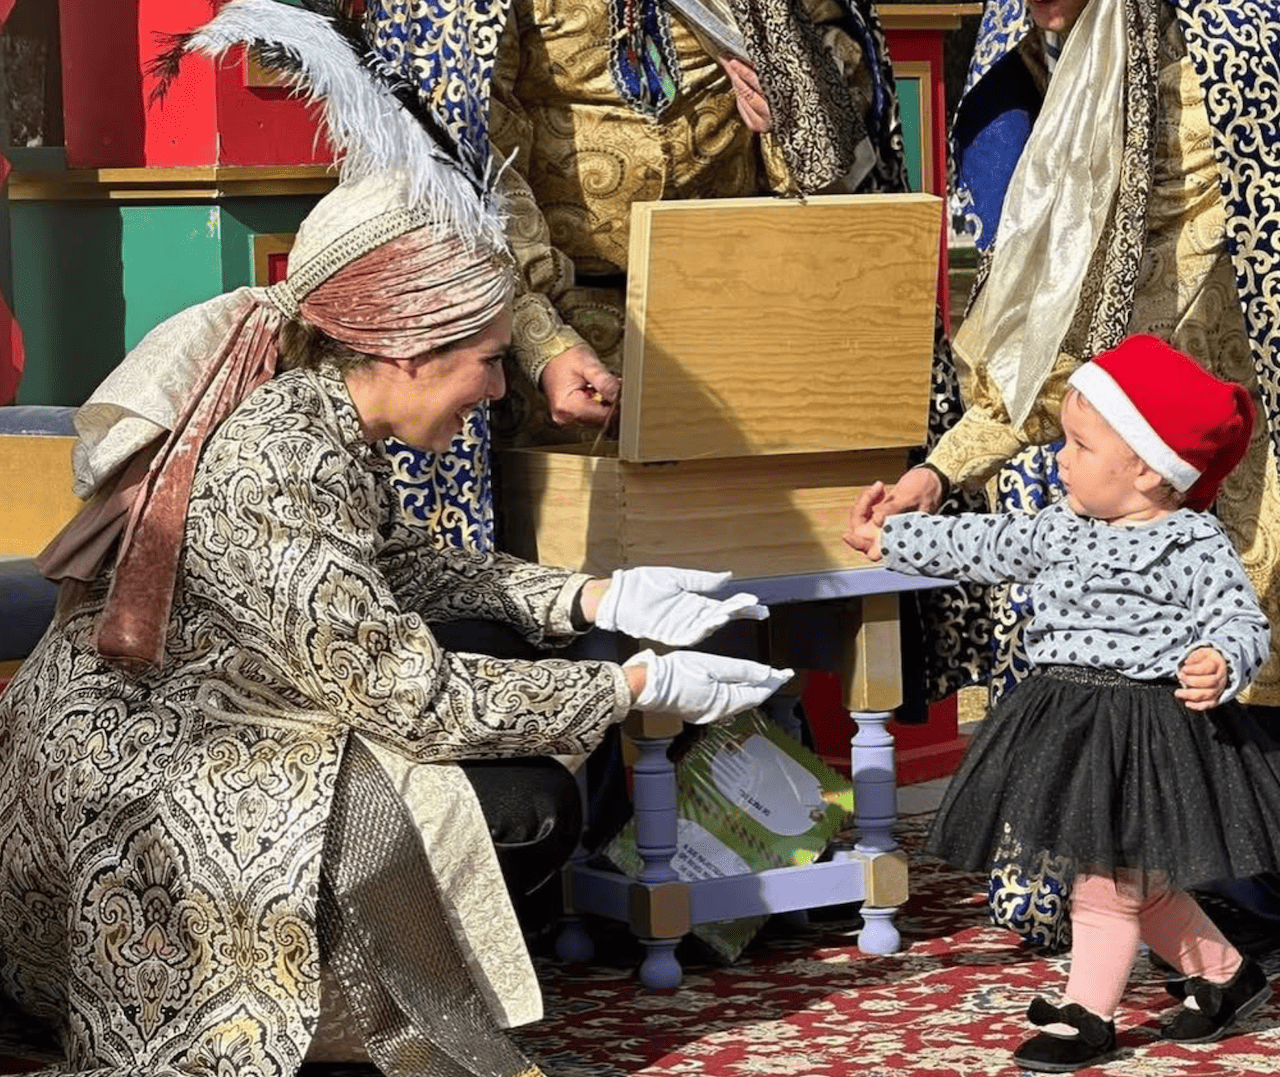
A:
[777,359]
[36,495]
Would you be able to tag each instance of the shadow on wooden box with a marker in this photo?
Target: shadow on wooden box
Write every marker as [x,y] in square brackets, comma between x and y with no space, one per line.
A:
[777,360]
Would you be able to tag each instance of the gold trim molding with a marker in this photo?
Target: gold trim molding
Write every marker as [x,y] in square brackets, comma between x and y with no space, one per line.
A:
[925,16]
[265,244]
[171,184]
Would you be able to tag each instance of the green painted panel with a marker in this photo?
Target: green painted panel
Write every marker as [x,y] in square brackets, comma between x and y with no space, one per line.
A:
[171,255]
[68,295]
[243,218]
[92,278]
[909,90]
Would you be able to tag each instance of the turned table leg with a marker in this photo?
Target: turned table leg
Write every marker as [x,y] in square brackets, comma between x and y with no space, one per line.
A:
[659,902]
[573,944]
[872,674]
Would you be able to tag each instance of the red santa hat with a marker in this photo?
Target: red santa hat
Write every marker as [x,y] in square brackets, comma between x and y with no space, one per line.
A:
[1187,425]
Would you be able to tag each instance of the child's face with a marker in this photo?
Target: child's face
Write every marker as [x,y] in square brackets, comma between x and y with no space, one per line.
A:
[1097,467]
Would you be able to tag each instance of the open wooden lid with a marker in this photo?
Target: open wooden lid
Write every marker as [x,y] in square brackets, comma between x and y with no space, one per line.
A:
[769,325]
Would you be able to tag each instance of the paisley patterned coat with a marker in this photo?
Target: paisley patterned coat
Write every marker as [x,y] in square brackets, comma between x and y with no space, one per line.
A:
[163,846]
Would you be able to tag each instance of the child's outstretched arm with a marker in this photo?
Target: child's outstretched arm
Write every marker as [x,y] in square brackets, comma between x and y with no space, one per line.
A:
[979,547]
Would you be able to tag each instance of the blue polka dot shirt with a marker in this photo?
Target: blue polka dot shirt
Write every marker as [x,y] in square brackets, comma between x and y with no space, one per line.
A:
[1134,600]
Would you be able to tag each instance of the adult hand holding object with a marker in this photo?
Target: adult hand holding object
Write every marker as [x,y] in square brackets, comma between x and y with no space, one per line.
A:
[579,388]
[753,106]
[669,605]
[698,687]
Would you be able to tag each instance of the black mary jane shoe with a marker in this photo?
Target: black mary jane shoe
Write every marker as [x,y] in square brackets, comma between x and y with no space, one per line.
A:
[1094,1040]
[1216,1006]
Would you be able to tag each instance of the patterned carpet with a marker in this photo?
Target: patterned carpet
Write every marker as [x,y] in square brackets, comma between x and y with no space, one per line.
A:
[808,1003]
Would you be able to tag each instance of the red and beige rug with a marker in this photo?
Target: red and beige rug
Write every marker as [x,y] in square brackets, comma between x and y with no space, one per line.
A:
[810,1004]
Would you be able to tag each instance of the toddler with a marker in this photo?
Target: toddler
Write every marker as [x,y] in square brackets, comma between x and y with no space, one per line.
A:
[1124,750]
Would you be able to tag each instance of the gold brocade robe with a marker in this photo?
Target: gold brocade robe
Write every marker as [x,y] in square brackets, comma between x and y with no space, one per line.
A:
[583,154]
[164,840]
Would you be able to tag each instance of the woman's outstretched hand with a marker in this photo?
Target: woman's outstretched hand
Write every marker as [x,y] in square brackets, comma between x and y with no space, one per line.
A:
[700,688]
[668,605]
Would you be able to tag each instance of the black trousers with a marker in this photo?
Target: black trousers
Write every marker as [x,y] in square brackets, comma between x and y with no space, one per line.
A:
[534,815]
[533,805]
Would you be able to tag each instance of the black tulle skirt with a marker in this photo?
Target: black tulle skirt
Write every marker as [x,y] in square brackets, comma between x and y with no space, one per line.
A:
[1115,775]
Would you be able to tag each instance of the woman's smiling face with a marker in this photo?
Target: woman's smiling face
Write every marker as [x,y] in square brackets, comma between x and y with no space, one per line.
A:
[425,401]
[452,383]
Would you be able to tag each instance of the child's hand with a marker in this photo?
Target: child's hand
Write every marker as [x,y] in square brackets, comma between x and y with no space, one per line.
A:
[864,533]
[1204,679]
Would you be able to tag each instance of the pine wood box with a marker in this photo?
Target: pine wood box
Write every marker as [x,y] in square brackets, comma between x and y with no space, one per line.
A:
[777,359]
[36,495]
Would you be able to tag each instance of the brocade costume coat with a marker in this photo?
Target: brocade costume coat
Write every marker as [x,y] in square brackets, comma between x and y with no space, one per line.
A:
[168,843]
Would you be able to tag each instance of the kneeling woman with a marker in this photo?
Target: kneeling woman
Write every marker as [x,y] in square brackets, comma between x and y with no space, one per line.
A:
[228,795]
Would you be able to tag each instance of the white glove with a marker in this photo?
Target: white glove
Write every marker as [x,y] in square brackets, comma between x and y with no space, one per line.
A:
[704,688]
[666,605]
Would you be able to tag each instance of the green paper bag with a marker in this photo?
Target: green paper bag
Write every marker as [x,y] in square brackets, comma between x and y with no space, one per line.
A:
[748,797]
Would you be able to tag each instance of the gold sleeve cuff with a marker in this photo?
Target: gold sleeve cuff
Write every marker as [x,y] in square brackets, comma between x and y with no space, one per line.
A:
[560,615]
[538,334]
[982,441]
[973,450]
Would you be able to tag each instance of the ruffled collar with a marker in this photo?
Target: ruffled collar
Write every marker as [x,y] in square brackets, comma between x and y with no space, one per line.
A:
[1099,547]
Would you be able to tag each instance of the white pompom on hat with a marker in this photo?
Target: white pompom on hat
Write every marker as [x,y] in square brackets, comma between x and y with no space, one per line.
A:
[1188,426]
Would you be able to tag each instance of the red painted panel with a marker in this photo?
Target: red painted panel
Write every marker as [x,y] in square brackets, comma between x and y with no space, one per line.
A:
[104,100]
[180,131]
[207,118]
[265,125]
[277,268]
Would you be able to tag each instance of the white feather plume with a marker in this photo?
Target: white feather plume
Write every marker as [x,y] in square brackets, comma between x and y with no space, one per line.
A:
[370,130]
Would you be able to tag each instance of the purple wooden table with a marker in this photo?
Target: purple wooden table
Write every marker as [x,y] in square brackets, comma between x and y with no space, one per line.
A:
[659,908]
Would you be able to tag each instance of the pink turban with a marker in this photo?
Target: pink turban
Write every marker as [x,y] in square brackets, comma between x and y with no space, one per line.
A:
[367,269]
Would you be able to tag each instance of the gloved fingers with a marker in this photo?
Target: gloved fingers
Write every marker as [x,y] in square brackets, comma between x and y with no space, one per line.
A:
[694,579]
[746,672]
[740,684]
[742,605]
[741,696]
[686,618]
[731,699]
[776,679]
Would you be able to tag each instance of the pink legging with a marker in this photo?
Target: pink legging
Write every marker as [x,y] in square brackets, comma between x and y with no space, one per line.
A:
[1106,923]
